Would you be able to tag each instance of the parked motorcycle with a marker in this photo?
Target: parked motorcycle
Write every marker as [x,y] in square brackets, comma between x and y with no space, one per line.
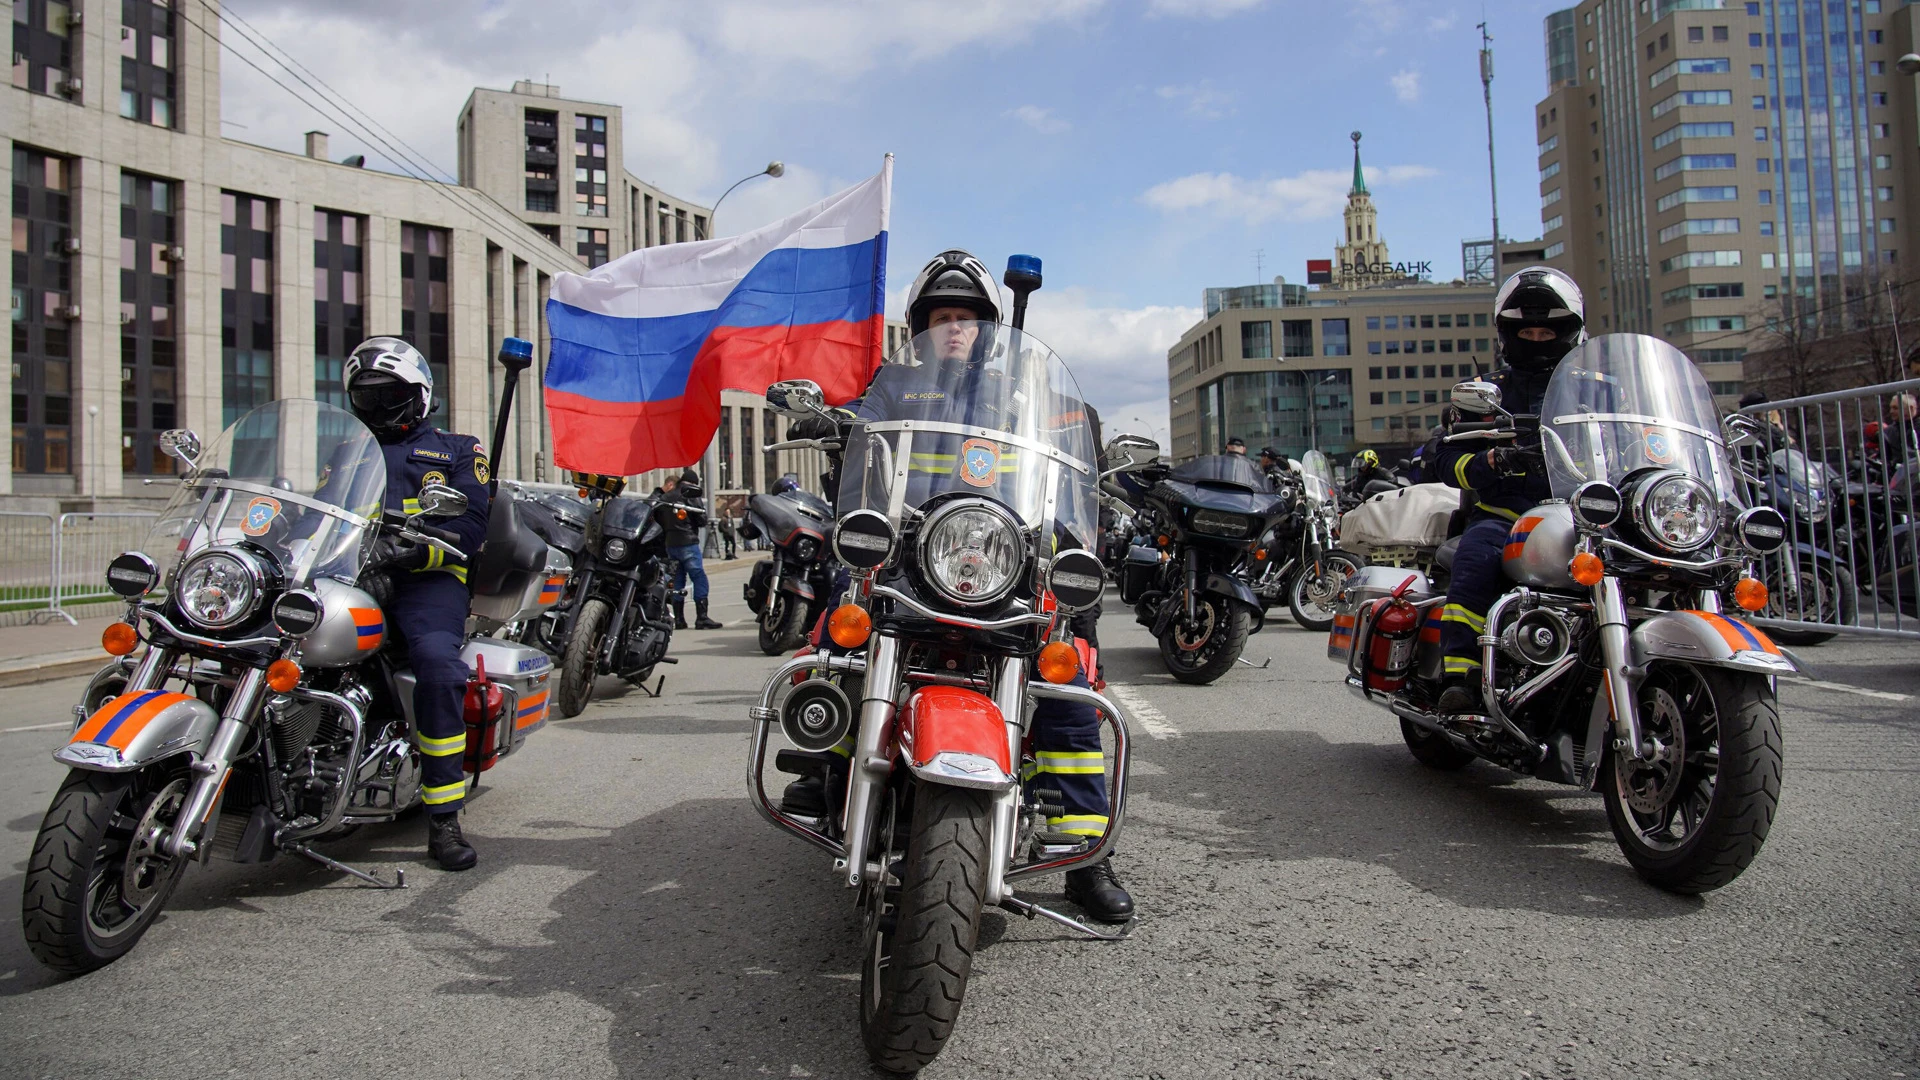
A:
[1297,561]
[615,619]
[788,592]
[266,712]
[1671,714]
[1815,582]
[1192,589]
[965,507]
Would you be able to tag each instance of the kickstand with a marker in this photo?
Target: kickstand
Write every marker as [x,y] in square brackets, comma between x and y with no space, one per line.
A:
[1030,909]
[1261,666]
[657,687]
[399,875]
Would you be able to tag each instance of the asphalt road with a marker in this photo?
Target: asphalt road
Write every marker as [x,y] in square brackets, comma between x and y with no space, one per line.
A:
[1314,904]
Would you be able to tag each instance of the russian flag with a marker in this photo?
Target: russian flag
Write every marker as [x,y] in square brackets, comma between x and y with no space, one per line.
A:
[643,346]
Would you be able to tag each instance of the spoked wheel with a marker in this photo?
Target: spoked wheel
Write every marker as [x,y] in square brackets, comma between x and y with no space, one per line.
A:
[923,919]
[1203,650]
[1694,814]
[97,878]
[782,623]
[1316,588]
[1826,595]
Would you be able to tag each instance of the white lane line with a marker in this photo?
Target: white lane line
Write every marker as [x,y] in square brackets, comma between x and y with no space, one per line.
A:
[1821,684]
[37,727]
[1140,710]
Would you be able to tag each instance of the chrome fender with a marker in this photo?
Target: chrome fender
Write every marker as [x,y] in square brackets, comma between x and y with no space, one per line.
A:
[1706,637]
[137,729]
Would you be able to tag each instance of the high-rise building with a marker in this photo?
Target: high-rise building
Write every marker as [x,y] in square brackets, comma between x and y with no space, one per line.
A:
[1707,166]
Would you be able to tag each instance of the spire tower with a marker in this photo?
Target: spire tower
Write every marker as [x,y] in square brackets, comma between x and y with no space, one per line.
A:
[1363,247]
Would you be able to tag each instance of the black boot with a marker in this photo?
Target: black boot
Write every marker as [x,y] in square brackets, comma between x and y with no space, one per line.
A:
[805,797]
[680,615]
[1098,892]
[446,845]
[701,620]
[1458,699]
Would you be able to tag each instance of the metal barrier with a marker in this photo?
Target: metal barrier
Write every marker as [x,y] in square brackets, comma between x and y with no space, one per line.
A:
[84,544]
[28,566]
[1841,468]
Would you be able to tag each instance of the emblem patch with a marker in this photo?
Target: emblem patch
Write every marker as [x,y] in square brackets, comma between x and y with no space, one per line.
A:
[481,471]
[1659,446]
[979,462]
[260,515]
[434,476]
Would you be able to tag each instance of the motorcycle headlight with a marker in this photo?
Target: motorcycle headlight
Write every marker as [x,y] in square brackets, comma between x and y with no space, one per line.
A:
[806,548]
[218,589]
[1678,512]
[971,552]
[615,550]
[1215,523]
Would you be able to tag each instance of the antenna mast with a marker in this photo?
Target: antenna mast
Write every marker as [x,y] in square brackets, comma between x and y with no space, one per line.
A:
[1493,180]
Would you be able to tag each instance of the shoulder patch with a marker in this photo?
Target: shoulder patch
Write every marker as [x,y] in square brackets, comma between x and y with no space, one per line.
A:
[481,472]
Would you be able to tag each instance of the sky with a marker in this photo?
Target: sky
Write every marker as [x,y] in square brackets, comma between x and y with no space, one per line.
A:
[1143,149]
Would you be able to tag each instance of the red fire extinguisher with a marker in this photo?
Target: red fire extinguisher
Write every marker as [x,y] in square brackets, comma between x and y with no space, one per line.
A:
[1390,652]
[485,702]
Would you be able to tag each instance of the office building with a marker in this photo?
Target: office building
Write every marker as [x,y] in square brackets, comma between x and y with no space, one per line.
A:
[1709,166]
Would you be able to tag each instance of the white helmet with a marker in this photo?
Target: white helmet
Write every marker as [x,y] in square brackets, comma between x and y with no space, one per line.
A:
[1539,297]
[953,279]
[389,384]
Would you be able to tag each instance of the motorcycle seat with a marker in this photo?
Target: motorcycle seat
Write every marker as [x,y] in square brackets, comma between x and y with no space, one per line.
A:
[1443,555]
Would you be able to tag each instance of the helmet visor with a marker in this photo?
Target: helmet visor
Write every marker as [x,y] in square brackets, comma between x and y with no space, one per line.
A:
[382,397]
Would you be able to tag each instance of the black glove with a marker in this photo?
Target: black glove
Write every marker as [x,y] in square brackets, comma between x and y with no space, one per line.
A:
[814,427]
[392,553]
[1517,460]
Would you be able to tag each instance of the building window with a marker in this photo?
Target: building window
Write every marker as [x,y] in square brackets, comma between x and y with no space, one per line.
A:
[1694,66]
[1549,172]
[1879,98]
[1425,347]
[726,446]
[1882,161]
[1373,373]
[591,245]
[1373,348]
[1393,348]
[246,304]
[423,305]
[1373,322]
[1296,337]
[339,299]
[543,162]
[1696,33]
[1692,259]
[1886,224]
[1552,223]
[1884,194]
[1882,131]
[769,459]
[1719,129]
[1393,373]
[1699,227]
[1705,324]
[1377,398]
[1333,337]
[147,86]
[1694,162]
[1758,71]
[1719,33]
[1766,196]
[149,327]
[42,296]
[43,47]
[1876,67]
[1256,340]
[1554,250]
[590,166]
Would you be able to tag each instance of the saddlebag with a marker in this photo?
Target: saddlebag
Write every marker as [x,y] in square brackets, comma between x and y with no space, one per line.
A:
[1351,607]
[522,672]
[1137,573]
[757,586]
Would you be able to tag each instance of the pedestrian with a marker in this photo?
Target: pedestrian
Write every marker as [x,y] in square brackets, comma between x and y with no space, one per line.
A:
[683,547]
[1237,445]
[727,527]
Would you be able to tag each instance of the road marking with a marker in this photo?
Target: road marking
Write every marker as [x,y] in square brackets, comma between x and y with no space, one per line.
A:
[37,727]
[1142,710]
[1822,684]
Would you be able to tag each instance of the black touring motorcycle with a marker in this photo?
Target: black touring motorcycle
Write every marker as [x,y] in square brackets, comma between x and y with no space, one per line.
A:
[788,592]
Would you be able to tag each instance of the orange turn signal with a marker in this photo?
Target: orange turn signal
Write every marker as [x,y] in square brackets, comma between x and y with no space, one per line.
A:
[849,626]
[680,515]
[119,639]
[1587,569]
[283,676]
[1059,662]
[1750,594]
[1163,540]
[1261,554]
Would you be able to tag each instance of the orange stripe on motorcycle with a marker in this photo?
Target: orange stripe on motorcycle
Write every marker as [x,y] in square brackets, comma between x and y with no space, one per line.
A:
[117,722]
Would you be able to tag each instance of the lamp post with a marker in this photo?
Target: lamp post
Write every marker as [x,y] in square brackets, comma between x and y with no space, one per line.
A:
[1313,409]
[775,169]
[1153,429]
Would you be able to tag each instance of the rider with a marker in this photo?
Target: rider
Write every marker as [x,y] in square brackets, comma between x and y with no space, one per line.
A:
[1540,317]
[950,300]
[390,388]
[1365,470]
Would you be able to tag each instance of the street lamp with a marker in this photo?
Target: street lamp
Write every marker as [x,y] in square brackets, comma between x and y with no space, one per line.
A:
[1908,64]
[1153,429]
[1313,409]
[775,169]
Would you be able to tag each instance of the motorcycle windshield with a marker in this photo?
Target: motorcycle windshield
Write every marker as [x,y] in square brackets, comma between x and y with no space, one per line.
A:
[297,479]
[1230,469]
[1318,473]
[1625,402]
[981,409]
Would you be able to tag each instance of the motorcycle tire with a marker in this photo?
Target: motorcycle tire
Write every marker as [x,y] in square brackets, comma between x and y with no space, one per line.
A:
[1690,710]
[75,908]
[908,1006]
[1433,749]
[579,665]
[782,623]
[1831,581]
[1311,616]
[1215,657]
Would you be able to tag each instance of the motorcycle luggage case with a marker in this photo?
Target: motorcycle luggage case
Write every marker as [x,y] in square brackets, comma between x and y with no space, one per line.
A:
[518,575]
[524,672]
[1136,573]
[1370,583]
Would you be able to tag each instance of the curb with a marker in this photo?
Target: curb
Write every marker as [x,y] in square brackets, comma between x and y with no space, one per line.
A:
[50,668]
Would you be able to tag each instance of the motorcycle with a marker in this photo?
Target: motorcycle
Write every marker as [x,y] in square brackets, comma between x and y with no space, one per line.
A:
[788,592]
[266,712]
[1670,714]
[615,618]
[1298,561]
[1192,588]
[965,507]
[1815,582]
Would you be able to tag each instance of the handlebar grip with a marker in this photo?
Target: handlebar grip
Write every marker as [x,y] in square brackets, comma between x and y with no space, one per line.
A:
[437,533]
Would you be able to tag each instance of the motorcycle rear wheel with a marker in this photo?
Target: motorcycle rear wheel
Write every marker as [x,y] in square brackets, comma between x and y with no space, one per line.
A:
[579,665]
[1433,749]
[1694,817]
[921,936]
[1310,597]
[782,623]
[1833,599]
[1215,655]
[93,884]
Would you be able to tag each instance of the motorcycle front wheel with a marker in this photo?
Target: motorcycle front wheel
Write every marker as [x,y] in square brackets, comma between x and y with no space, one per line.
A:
[923,920]
[96,879]
[1826,595]
[1200,653]
[579,665]
[782,623]
[1317,586]
[1695,815]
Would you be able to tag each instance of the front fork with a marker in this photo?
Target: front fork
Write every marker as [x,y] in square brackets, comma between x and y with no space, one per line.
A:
[1616,653]
[212,767]
[870,766]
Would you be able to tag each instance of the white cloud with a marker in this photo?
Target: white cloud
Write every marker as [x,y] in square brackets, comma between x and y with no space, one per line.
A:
[1307,196]
[1406,85]
[1205,9]
[1441,23]
[1201,99]
[1117,355]
[1039,119]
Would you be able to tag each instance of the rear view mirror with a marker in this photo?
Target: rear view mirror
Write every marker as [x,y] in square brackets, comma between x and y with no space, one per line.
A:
[1126,452]
[1739,429]
[181,443]
[442,501]
[797,398]
[1477,398]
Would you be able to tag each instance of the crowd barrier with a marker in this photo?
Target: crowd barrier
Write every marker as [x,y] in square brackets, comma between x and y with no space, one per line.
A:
[54,567]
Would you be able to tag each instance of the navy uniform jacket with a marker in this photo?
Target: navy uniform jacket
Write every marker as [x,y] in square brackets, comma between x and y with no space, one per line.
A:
[1464,464]
[427,455]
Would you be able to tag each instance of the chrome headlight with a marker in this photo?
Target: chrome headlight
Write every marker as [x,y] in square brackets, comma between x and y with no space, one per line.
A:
[219,589]
[615,550]
[972,552]
[1678,512]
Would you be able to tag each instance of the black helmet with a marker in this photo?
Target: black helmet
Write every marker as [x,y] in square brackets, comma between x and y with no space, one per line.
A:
[690,482]
[953,279]
[1236,441]
[787,482]
[1539,296]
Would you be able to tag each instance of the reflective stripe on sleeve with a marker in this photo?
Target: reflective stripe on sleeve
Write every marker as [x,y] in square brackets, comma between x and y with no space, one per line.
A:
[447,747]
[1066,762]
[1079,824]
[1456,613]
[445,793]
